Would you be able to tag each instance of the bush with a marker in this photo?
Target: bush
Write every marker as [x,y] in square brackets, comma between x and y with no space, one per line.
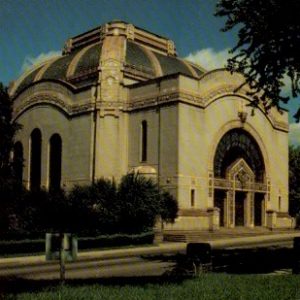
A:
[12,195]
[139,200]
[93,207]
[102,241]
[99,208]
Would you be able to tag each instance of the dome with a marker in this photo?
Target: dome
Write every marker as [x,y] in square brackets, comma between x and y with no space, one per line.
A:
[147,56]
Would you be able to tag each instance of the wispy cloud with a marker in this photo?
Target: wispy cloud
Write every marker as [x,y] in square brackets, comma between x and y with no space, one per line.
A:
[30,61]
[294,134]
[209,58]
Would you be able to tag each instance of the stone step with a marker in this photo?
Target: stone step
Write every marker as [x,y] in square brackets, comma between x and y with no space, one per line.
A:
[198,236]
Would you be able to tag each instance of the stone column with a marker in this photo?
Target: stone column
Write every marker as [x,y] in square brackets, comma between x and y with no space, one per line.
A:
[271,219]
[250,209]
[263,211]
[230,208]
[214,218]
[226,215]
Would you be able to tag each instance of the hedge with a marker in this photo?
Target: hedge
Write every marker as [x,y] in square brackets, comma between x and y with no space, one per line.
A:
[38,245]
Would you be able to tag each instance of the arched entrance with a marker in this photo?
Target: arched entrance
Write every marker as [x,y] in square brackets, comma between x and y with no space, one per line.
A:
[239,180]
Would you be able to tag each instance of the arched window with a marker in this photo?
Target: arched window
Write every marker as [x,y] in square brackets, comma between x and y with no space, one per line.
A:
[18,161]
[35,159]
[55,162]
[144,137]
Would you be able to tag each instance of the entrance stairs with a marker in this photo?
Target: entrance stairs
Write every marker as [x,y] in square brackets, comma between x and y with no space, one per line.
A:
[193,236]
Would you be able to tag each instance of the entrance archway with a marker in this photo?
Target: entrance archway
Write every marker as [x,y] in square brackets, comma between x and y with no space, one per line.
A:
[239,180]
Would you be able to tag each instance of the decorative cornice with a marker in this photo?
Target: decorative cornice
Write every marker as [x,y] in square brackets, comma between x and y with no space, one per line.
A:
[166,98]
[47,99]
[202,101]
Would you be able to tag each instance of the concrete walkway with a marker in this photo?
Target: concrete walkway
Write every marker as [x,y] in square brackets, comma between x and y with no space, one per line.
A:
[265,240]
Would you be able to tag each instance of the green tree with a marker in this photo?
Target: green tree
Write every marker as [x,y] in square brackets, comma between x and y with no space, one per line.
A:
[139,198]
[168,207]
[267,48]
[141,202]
[94,208]
[294,181]
[8,129]
[10,190]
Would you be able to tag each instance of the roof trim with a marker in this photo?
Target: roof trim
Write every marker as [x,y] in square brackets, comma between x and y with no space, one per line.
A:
[69,86]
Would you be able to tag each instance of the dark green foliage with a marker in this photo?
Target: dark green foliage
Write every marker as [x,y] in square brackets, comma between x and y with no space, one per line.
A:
[8,129]
[132,207]
[94,207]
[168,207]
[11,196]
[14,244]
[99,208]
[11,191]
[268,45]
[294,182]
[140,203]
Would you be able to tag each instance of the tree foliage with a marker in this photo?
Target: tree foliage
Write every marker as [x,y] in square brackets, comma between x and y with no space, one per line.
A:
[94,208]
[294,181]
[140,203]
[8,130]
[268,46]
[102,207]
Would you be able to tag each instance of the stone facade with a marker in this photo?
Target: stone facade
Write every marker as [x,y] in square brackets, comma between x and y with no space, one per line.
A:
[120,100]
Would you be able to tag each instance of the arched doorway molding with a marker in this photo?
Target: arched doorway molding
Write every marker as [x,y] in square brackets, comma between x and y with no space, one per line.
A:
[238,193]
[236,124]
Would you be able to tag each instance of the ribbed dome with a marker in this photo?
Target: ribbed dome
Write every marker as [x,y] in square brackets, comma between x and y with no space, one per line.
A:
[79,67]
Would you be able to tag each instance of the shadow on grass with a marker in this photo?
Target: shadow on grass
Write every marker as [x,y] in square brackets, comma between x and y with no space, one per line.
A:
[253,261]
[230,261]
[261,260]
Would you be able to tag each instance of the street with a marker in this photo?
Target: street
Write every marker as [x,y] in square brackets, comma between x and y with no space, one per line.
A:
[88,268]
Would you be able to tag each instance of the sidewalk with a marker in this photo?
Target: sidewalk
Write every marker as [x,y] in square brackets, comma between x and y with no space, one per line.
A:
[274,239]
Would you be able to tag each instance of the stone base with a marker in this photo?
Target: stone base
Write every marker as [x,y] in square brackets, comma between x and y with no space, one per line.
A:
[279,220]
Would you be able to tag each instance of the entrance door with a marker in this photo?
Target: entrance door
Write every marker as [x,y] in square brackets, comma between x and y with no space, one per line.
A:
[258,200]
[240,208]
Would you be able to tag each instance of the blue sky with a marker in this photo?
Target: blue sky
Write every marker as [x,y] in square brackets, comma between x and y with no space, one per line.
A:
[32,30]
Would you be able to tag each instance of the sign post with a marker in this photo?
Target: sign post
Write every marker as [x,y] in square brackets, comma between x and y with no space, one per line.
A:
[62,247]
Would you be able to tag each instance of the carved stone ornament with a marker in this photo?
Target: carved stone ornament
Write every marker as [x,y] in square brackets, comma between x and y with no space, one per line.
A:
[130,32]
[243,116]
[242,177]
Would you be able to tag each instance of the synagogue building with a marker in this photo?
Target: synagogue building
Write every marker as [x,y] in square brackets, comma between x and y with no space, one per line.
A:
[120,100]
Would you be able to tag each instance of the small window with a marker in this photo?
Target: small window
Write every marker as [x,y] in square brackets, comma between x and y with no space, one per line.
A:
[192,197]
[144,137]
[279,203]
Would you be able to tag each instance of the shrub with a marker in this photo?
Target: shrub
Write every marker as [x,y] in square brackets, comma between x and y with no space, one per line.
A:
[168,207]
[99,208]
[140,203]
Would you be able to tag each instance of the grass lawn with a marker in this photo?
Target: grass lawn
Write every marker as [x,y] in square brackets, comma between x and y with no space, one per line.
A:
[209,286]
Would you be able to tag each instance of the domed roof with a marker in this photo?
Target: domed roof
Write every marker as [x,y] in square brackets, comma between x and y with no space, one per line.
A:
[78,66]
